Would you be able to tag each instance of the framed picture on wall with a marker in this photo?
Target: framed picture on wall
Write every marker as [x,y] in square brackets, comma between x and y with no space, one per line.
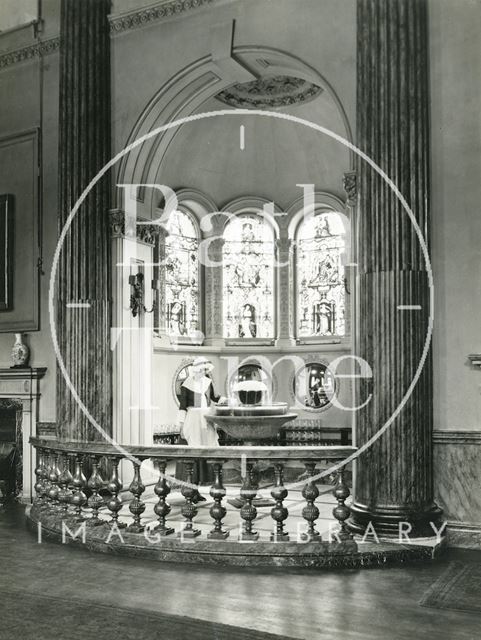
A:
[6,252]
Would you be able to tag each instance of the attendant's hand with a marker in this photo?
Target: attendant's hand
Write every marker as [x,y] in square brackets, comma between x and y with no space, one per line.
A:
[222,400]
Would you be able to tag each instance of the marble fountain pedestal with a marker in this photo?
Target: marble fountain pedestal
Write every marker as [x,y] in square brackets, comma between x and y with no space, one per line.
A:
[251,424]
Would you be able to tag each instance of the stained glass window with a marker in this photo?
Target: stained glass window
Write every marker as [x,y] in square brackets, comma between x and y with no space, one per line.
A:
[181,275]
[248,274]
[321,243]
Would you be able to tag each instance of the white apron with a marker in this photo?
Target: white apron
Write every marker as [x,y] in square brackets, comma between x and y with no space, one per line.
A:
[197,431]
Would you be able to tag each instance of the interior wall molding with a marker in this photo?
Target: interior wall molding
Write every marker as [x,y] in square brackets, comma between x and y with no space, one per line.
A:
[30,52]
[119,23]
[463,535]
[457,437]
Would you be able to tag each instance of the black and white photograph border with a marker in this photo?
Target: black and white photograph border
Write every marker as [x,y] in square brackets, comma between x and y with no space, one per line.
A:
[240,321]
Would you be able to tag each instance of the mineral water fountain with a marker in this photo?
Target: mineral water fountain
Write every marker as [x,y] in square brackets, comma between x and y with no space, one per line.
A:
[248,416]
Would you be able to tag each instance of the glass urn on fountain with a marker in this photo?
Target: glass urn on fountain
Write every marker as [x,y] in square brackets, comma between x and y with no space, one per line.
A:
[248,416]
[250,392]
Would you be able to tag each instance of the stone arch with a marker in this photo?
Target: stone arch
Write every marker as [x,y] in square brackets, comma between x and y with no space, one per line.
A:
[186,91]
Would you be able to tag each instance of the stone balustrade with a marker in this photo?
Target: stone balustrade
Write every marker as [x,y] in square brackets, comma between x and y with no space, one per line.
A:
[73,495]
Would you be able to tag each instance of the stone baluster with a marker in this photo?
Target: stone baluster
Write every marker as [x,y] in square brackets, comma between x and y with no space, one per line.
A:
[279,513]
[136,506]
[95,501]
[248,512]
[79,482]
[310,512]
[65,478]
[341,512]
[114,503]
[39,484]
[189,510]
[46,482]
[162,508]
[71,467]
[53,477]
[217,510]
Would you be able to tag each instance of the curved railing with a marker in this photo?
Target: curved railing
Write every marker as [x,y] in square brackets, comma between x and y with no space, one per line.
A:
[71,492]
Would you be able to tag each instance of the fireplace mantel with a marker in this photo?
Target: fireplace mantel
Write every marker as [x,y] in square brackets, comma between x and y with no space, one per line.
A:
[23,384]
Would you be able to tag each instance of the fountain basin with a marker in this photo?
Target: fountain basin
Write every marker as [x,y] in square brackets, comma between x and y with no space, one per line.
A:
[250,428]
[253,410]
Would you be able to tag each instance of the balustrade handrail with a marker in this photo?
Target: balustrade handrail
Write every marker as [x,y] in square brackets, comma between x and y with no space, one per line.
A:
[176,451]
[64,492]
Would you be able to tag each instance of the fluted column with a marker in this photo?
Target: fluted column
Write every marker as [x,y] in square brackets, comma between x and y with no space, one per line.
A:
[84,265]
[285,306]
[160,322]
[394,476]
[213,307]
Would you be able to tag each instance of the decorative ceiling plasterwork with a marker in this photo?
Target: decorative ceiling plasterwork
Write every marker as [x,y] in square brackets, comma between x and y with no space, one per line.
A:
[268,92]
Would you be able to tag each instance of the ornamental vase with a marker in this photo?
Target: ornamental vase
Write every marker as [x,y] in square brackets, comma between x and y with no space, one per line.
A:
[20,352]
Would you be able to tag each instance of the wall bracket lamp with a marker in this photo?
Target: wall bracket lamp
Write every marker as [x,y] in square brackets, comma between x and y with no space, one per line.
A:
[137,305]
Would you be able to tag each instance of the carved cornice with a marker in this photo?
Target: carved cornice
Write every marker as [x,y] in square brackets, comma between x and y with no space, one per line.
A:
[457,437]
[349,184]
[118,24]
[28,53]
[27,373]
[154,13]
[145,232]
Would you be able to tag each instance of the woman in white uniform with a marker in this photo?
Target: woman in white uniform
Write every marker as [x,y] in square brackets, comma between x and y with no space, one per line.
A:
[196,395]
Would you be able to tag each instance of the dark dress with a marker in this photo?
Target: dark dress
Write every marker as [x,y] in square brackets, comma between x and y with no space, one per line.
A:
[189,398]
[203,472]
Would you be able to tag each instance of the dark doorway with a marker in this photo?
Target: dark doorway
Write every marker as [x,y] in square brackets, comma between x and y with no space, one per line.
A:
[10,449]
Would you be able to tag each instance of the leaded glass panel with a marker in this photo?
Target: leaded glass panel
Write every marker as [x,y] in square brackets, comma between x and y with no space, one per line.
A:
[181,275]
[321,243]
[248,274]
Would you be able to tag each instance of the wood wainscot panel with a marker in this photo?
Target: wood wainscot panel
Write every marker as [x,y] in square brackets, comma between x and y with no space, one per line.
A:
[19,179]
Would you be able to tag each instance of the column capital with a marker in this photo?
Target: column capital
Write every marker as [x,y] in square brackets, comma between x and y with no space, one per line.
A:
[349,184]
[117,223]
[145,232]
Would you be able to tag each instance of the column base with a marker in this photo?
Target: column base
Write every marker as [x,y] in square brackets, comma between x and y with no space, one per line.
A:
[386,521]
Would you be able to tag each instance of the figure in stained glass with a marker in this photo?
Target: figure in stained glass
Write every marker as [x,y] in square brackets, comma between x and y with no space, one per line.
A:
[181,275]
[320,293]
[248,275]
[248,326]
